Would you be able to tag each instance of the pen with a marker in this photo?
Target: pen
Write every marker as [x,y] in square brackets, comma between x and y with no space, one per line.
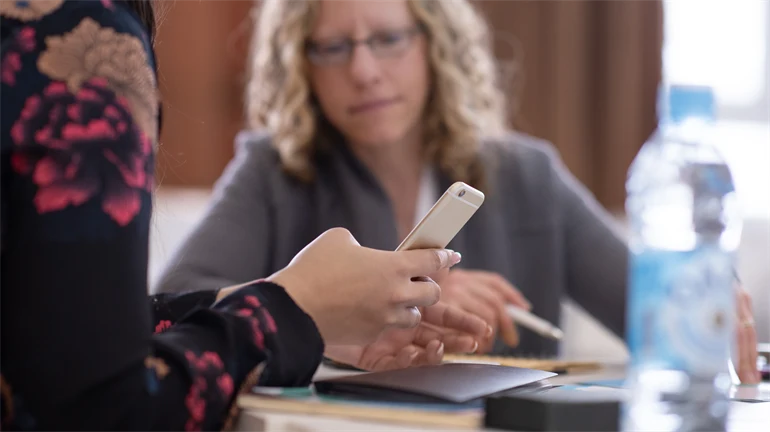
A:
[534,323]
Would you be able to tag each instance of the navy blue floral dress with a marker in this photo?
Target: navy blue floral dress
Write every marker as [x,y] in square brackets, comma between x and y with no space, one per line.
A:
[83,346]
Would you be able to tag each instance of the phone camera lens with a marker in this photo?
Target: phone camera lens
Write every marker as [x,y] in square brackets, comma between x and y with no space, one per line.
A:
[461,193]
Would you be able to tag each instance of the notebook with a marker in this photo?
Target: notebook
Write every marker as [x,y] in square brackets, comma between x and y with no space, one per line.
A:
[552,365]
[430,415]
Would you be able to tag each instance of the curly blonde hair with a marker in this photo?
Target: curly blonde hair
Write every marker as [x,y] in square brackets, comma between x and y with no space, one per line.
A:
[465,103]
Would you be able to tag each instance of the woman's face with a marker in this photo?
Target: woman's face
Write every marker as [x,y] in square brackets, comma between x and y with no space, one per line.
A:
[369,70]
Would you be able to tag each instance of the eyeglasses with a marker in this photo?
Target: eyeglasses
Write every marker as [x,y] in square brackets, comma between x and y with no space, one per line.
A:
[383,44]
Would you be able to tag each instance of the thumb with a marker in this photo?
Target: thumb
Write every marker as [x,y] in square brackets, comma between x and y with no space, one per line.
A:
[430,261]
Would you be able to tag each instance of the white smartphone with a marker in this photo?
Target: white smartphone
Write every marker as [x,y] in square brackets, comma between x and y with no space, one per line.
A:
[445,219]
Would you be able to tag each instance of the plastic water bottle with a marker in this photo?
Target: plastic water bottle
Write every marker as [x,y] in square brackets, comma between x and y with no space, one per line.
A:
[685,230]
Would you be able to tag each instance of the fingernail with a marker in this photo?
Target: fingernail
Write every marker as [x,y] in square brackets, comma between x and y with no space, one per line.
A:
[489,331]
[440,350]
[413,356]
[455,257]
[475,347]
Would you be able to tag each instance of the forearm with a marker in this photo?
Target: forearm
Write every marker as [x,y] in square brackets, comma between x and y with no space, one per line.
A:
[194,370]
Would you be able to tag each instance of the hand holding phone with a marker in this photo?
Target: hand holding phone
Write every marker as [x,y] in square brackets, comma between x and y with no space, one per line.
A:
[442,223]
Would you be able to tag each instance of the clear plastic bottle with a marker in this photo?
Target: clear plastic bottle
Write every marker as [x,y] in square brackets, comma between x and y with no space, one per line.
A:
[685,230]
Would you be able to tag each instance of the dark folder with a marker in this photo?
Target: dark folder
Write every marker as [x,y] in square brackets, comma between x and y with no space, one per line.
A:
[451,382]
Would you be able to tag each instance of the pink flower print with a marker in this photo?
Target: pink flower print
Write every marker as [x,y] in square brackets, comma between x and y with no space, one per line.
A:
[252,301]
[162,326]
[208,359]
[256,333]
[206,366]
[211,358]
[10,65]
[108,4]
[269,321]
[95,149]
[26,39]
[195,404]
[245,312]
[24,42]
[225,383]
[192,359]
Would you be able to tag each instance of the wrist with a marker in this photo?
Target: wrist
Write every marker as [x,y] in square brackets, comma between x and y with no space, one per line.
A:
[297,288]
[224,292]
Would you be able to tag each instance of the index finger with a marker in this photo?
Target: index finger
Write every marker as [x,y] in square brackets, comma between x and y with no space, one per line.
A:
[453,318]
[423,262]
[508,291]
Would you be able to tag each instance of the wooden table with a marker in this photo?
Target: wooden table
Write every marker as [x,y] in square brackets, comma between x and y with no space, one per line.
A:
[744,417]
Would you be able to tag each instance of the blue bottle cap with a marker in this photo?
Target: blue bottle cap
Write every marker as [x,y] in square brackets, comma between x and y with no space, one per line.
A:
[689,101]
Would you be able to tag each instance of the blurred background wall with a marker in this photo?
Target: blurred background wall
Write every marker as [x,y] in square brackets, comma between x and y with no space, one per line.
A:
[583,74]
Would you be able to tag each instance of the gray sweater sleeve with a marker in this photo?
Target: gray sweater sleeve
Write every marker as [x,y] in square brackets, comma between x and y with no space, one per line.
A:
[596,254]
[231,244]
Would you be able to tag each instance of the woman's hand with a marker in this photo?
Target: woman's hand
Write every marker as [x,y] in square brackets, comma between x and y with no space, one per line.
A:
[444,329]
[486,295]
[354,293]
[746,334]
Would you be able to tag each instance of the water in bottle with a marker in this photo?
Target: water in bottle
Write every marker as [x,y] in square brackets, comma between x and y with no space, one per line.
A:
[685,230]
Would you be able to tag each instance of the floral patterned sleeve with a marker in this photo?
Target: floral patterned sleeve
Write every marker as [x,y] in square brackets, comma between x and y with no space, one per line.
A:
[167,309]
[80,347]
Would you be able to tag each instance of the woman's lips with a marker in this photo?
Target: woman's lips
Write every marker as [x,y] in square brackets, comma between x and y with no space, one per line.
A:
[371,106]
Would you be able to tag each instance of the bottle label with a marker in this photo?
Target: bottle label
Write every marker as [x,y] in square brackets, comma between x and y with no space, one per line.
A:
[681,310]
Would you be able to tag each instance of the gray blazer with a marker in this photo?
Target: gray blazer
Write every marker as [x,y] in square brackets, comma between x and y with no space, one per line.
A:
[538,227]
